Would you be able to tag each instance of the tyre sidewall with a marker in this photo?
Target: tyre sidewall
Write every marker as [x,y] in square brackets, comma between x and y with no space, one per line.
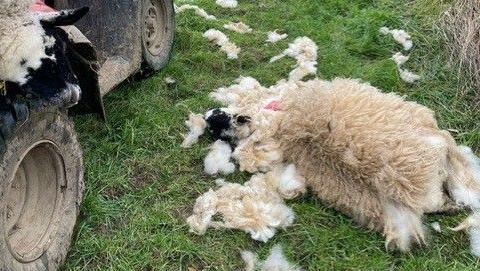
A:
[53,126]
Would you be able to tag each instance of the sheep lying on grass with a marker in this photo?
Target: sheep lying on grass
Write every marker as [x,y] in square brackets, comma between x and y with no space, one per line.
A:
[33,52]
[373,156]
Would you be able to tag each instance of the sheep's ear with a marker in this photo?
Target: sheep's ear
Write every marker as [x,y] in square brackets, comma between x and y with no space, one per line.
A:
[243,119]
[64,17]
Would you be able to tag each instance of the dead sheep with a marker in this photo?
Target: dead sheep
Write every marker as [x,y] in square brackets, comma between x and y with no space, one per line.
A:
[32,50]
[373,156]
[370,141]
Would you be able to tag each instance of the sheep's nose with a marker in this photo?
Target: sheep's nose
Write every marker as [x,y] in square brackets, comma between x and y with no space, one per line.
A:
[72,94]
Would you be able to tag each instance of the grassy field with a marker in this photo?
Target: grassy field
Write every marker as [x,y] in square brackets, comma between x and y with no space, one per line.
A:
[141,185]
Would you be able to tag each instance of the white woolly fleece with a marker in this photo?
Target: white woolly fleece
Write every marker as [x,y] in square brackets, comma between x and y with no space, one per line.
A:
[23,42]
[238,27]
[408,76]
[218,159]
[227,3]
[196,124]
[304,50]
[254,207]
[220,39]
[276,261]
[291,184]
[400,59]
[199,11]
[274,36]
[472,224]
[400,36]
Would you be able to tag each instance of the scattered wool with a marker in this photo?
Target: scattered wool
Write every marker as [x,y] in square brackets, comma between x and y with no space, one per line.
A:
[405,74]
[199,11]
[238,27]
[274,36]
[408,76]
[400,59]
[436,227]
[222,40]
[170,81]
[218,159]
[196,124]
[472,224]
[400,36]
[227,3]
[204,210]
[254,207]
[250,259]
[304,50]
[276,261]
[291,183]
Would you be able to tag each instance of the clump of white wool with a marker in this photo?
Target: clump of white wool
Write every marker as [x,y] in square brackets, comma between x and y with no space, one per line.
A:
[256,207]
[227,3]
[218,160]
[409,76]
[250,259]
[400,36]
[304,50]
[204,209]
[196,125]
[169,80]
[276,261]
[472,224]
[238,27]
[274,36]
[436,227]
[400,58]
[199,11]
[222,40]
[405,74]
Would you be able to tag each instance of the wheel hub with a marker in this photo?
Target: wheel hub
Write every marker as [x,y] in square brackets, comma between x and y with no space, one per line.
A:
[33,201]
[153,26]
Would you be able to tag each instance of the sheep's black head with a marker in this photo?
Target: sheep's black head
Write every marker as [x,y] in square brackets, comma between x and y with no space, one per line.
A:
[37,60]
[222,125]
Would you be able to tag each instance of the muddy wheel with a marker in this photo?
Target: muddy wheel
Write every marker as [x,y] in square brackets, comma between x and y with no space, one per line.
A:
[158,31]
[41,186]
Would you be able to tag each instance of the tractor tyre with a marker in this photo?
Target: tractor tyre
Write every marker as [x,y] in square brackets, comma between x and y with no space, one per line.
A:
[41,187]
[158,32]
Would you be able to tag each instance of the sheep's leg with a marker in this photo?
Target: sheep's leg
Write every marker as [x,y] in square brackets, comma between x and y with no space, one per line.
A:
[402,227]
[463,183]
[351,198]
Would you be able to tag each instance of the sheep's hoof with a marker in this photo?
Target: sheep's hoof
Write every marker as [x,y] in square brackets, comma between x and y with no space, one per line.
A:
[403,228]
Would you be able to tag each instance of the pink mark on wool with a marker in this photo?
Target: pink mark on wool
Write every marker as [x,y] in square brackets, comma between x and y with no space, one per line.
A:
[273,105]
[40,6]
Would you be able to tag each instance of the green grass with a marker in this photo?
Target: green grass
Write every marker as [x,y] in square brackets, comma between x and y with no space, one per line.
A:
[140,185]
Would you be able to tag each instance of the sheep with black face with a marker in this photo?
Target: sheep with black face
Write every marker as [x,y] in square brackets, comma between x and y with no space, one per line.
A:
[33,52]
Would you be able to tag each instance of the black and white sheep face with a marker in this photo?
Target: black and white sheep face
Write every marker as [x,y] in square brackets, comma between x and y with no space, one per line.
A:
[37,58]
[223,125]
